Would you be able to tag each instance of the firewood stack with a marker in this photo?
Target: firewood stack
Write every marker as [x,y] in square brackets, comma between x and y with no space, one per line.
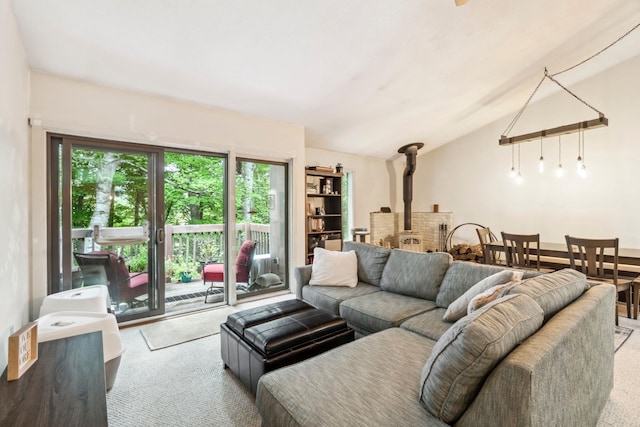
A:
[466,252]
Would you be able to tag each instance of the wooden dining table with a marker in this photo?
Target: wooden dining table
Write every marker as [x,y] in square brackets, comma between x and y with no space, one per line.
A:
[556,256]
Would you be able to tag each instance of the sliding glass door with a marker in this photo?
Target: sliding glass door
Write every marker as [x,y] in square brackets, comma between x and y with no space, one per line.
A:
[150,223]
[195,228]
[105,222]
[261,223]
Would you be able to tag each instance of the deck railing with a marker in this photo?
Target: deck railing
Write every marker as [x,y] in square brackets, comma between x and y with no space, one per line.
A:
[187,243]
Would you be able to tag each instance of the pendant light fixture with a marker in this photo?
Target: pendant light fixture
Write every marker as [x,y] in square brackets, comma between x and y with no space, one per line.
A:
[541,162]
[578,127]
[582,169]
[513,173]
[518,175]
[559,171]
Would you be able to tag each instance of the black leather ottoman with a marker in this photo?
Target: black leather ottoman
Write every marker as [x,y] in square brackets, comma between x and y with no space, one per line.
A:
[259,340]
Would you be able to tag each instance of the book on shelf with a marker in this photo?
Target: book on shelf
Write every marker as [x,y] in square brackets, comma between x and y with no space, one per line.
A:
[316,224]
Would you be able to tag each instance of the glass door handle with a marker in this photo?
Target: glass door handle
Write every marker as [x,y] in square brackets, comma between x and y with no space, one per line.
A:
[160,235]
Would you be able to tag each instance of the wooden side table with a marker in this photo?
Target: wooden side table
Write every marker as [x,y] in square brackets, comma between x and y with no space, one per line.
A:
[362,234]
[65,387]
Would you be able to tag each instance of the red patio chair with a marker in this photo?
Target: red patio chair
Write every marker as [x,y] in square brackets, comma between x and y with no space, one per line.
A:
[107,268]
[214,273]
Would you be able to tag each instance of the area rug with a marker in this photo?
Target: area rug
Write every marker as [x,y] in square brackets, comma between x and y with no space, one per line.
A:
[621,335]
[177,330]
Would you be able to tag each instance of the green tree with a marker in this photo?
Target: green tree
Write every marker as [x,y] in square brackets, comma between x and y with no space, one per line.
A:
[253,184]
[194,189]
[110,189]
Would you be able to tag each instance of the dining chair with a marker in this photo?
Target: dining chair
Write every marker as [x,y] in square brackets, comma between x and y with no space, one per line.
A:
[486,236]
[517,250]
[590,260]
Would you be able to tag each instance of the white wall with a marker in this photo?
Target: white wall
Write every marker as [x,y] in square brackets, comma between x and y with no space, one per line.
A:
[14,176]
[74,107]
[371,180]
[470,176]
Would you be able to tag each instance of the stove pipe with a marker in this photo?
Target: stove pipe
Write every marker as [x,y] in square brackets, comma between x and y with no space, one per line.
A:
[410,151]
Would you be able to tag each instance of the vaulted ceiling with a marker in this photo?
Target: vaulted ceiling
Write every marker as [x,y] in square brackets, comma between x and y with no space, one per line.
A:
[362,76]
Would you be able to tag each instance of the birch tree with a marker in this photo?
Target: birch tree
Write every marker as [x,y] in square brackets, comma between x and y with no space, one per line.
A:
[105,171]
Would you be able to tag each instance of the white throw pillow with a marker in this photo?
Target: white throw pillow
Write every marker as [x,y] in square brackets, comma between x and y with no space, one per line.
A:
[334,268]
[458,308]
[491,294]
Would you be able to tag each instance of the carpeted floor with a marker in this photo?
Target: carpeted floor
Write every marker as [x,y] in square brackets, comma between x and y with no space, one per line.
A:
[183,385]
[186,385]
[622,408]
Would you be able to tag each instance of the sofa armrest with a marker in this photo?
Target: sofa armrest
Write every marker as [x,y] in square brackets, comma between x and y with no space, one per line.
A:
[302,275]
[570,359]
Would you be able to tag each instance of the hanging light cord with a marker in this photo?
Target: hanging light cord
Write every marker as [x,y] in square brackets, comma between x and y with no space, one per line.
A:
[559,151]
[551,77]
[598,52]
[541,147]
[600,113]
[524,107]
[512,157]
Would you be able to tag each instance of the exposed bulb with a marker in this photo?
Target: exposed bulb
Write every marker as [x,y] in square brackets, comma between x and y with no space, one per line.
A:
[560,171]
[513,173]
[519,179]
[541,165]
[582,170]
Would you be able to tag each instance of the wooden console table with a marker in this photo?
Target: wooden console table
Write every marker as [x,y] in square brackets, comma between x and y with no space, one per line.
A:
[65,387]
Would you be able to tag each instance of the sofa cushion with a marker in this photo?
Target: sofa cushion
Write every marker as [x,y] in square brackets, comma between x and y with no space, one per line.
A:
[429,324]
[462,275]
[466,353]
[330,297]
[553,291]
[341,387]
[415,274]
[333,268]
[382,310]
[458,308]
[371,260]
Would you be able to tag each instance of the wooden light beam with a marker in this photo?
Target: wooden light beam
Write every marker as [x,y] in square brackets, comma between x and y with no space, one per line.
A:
[560,130]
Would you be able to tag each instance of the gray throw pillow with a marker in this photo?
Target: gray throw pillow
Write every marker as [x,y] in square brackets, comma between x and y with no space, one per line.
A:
[371,260]
[553,291]
[460,276]
[268,279]
[415,274]
[458,308]
[463,357]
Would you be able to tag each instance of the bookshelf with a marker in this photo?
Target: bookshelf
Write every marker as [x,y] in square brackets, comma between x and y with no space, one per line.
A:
[323,210]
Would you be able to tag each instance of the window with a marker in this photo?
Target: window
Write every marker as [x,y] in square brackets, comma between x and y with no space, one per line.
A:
[347,205]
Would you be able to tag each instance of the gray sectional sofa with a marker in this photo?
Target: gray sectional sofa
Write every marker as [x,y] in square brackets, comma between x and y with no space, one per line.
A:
[540,356]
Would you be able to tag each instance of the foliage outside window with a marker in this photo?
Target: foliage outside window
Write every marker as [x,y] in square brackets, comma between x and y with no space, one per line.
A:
[110,189]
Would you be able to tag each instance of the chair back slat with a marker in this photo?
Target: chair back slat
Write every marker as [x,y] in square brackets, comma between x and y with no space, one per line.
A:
[517,248]
[590,258]
[485,236]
